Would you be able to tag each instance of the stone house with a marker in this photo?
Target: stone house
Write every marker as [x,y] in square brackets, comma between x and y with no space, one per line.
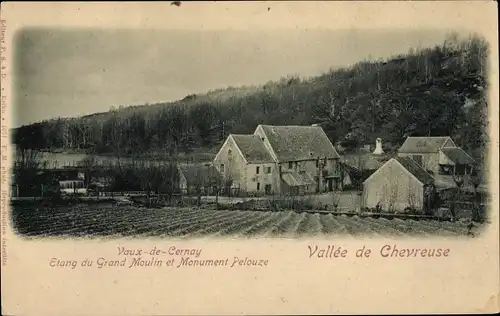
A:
[438,155]
[246,165]
[277,160]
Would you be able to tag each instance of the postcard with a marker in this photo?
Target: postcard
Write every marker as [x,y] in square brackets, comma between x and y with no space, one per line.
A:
[262,158]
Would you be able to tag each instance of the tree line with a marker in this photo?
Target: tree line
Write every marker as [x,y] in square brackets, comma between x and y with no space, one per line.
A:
[434,91]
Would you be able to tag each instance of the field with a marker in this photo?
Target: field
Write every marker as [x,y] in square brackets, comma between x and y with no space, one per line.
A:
[123,221]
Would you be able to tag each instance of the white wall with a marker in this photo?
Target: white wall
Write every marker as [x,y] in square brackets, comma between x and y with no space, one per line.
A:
[393,187]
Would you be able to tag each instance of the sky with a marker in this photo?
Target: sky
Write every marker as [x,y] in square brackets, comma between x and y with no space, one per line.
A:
[65,73]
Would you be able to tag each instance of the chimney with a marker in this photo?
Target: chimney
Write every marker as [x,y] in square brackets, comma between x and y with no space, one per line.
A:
[378,147]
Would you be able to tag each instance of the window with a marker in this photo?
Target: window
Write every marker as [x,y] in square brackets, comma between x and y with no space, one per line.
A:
[317,163]
[268,169]
[221,167]
[258,186]
[290,165]
[257,170]
[268,189]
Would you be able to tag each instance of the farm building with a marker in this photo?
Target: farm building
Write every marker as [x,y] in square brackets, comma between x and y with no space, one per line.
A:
[280,160]
[38,182]
[438,155]
[246,165]
[399,184]
[196,179]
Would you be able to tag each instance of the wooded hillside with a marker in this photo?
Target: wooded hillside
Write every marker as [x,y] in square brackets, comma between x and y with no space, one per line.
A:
[433,91]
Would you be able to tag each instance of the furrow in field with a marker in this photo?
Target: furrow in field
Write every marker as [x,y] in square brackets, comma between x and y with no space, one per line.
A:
[440,228]
[295,228]
[114,221]
[318,225]
[418,227]
[356,227]
[208,228]
[55,222]
[459,228]
[261,227]
[282,219]
[145,224]
[196,223]
[41,221]
[286,226]
[311,225]
[404,227]
[382,228]
[411,227]
[330,226]
[235,229]
[170,225]
[163,215]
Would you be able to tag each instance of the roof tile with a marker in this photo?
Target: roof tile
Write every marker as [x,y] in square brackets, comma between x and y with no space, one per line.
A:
[423,144]
[415,169]
[252,148]
[292,143]
[457,155]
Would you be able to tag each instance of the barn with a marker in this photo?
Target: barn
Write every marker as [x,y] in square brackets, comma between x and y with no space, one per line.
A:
[397,185]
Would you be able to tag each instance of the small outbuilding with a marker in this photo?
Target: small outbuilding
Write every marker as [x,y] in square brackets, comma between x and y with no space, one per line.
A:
[398,185]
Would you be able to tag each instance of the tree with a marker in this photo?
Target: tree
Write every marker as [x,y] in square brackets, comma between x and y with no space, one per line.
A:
[418,93]
[477,215]
[432,200]
[26,167]
[457,196]
[147,174]
[89,164]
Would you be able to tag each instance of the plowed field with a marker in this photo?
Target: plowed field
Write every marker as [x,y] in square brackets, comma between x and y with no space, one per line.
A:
[116,221]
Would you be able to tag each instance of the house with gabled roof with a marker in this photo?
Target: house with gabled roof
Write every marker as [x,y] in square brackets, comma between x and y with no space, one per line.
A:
[401,183]
[246,165]
[438,155]
[280,160]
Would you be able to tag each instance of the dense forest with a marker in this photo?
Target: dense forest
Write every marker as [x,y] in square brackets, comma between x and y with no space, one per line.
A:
[434,91]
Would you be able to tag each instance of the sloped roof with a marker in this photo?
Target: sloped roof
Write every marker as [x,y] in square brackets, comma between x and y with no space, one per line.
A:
[197,173]
[415,169]
[349,168]
[297,179]
[423,144]
[291,143]
[457,155]
[444,182]
[252,148]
